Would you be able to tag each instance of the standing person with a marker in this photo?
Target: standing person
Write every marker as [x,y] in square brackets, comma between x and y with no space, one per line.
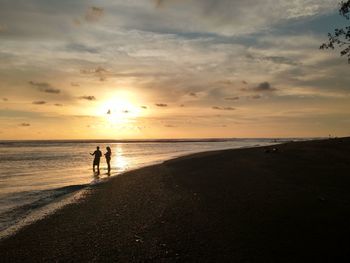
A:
[108,158]
[96,161]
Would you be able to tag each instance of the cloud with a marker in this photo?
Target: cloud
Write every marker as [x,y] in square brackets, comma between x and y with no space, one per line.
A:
[44,87]
[53,91]
[58,104]
[229,108]
[281,60]
[264,87]
[5,99]
[94,14]
[159,3]
[76,22]
[24,124]
[3,28]
[144,107]
[90,98]
[81,48]
[192,94]
[99,72]
[232,98]
[226,82]
[231,17]
[39,102]
[164,65]
[223,108]
[161,105]
[20,114]
[255,97]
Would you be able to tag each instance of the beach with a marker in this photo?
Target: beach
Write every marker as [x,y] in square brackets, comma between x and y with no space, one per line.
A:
[279,203]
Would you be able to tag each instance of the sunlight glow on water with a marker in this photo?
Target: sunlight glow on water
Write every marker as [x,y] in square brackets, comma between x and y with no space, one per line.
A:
[119,161]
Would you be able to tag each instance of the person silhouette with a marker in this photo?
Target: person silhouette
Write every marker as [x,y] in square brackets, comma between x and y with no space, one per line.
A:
[96,161]
[108,158]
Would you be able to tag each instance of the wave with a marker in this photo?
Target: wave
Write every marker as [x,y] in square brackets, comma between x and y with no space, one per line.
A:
[33,201]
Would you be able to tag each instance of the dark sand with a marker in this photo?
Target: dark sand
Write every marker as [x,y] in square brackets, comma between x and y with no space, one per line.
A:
[242,205]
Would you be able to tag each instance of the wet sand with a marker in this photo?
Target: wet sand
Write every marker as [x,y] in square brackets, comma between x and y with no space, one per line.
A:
[245,205]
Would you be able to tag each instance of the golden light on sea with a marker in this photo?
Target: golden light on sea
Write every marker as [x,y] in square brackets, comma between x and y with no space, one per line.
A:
[119,160]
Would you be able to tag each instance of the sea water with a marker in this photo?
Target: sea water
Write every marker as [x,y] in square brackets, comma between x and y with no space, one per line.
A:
[35,174]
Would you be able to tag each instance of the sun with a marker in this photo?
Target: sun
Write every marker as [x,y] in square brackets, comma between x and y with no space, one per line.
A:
[119,109]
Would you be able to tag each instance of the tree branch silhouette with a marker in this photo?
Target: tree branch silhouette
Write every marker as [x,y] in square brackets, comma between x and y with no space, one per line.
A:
[341,36]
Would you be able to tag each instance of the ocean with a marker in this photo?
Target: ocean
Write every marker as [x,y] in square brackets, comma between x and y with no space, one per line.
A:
[36,174]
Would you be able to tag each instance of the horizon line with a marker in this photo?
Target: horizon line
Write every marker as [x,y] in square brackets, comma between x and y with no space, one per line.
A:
[166,140]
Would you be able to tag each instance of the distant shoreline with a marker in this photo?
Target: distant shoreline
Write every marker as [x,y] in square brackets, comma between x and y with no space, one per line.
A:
[281,203]
[161,140]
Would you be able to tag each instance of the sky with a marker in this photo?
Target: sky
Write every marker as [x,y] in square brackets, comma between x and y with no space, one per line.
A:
[146,69]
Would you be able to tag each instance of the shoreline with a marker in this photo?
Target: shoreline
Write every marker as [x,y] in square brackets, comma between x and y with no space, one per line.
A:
[78,195]
[209,205]
[283,139]
[42,212]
